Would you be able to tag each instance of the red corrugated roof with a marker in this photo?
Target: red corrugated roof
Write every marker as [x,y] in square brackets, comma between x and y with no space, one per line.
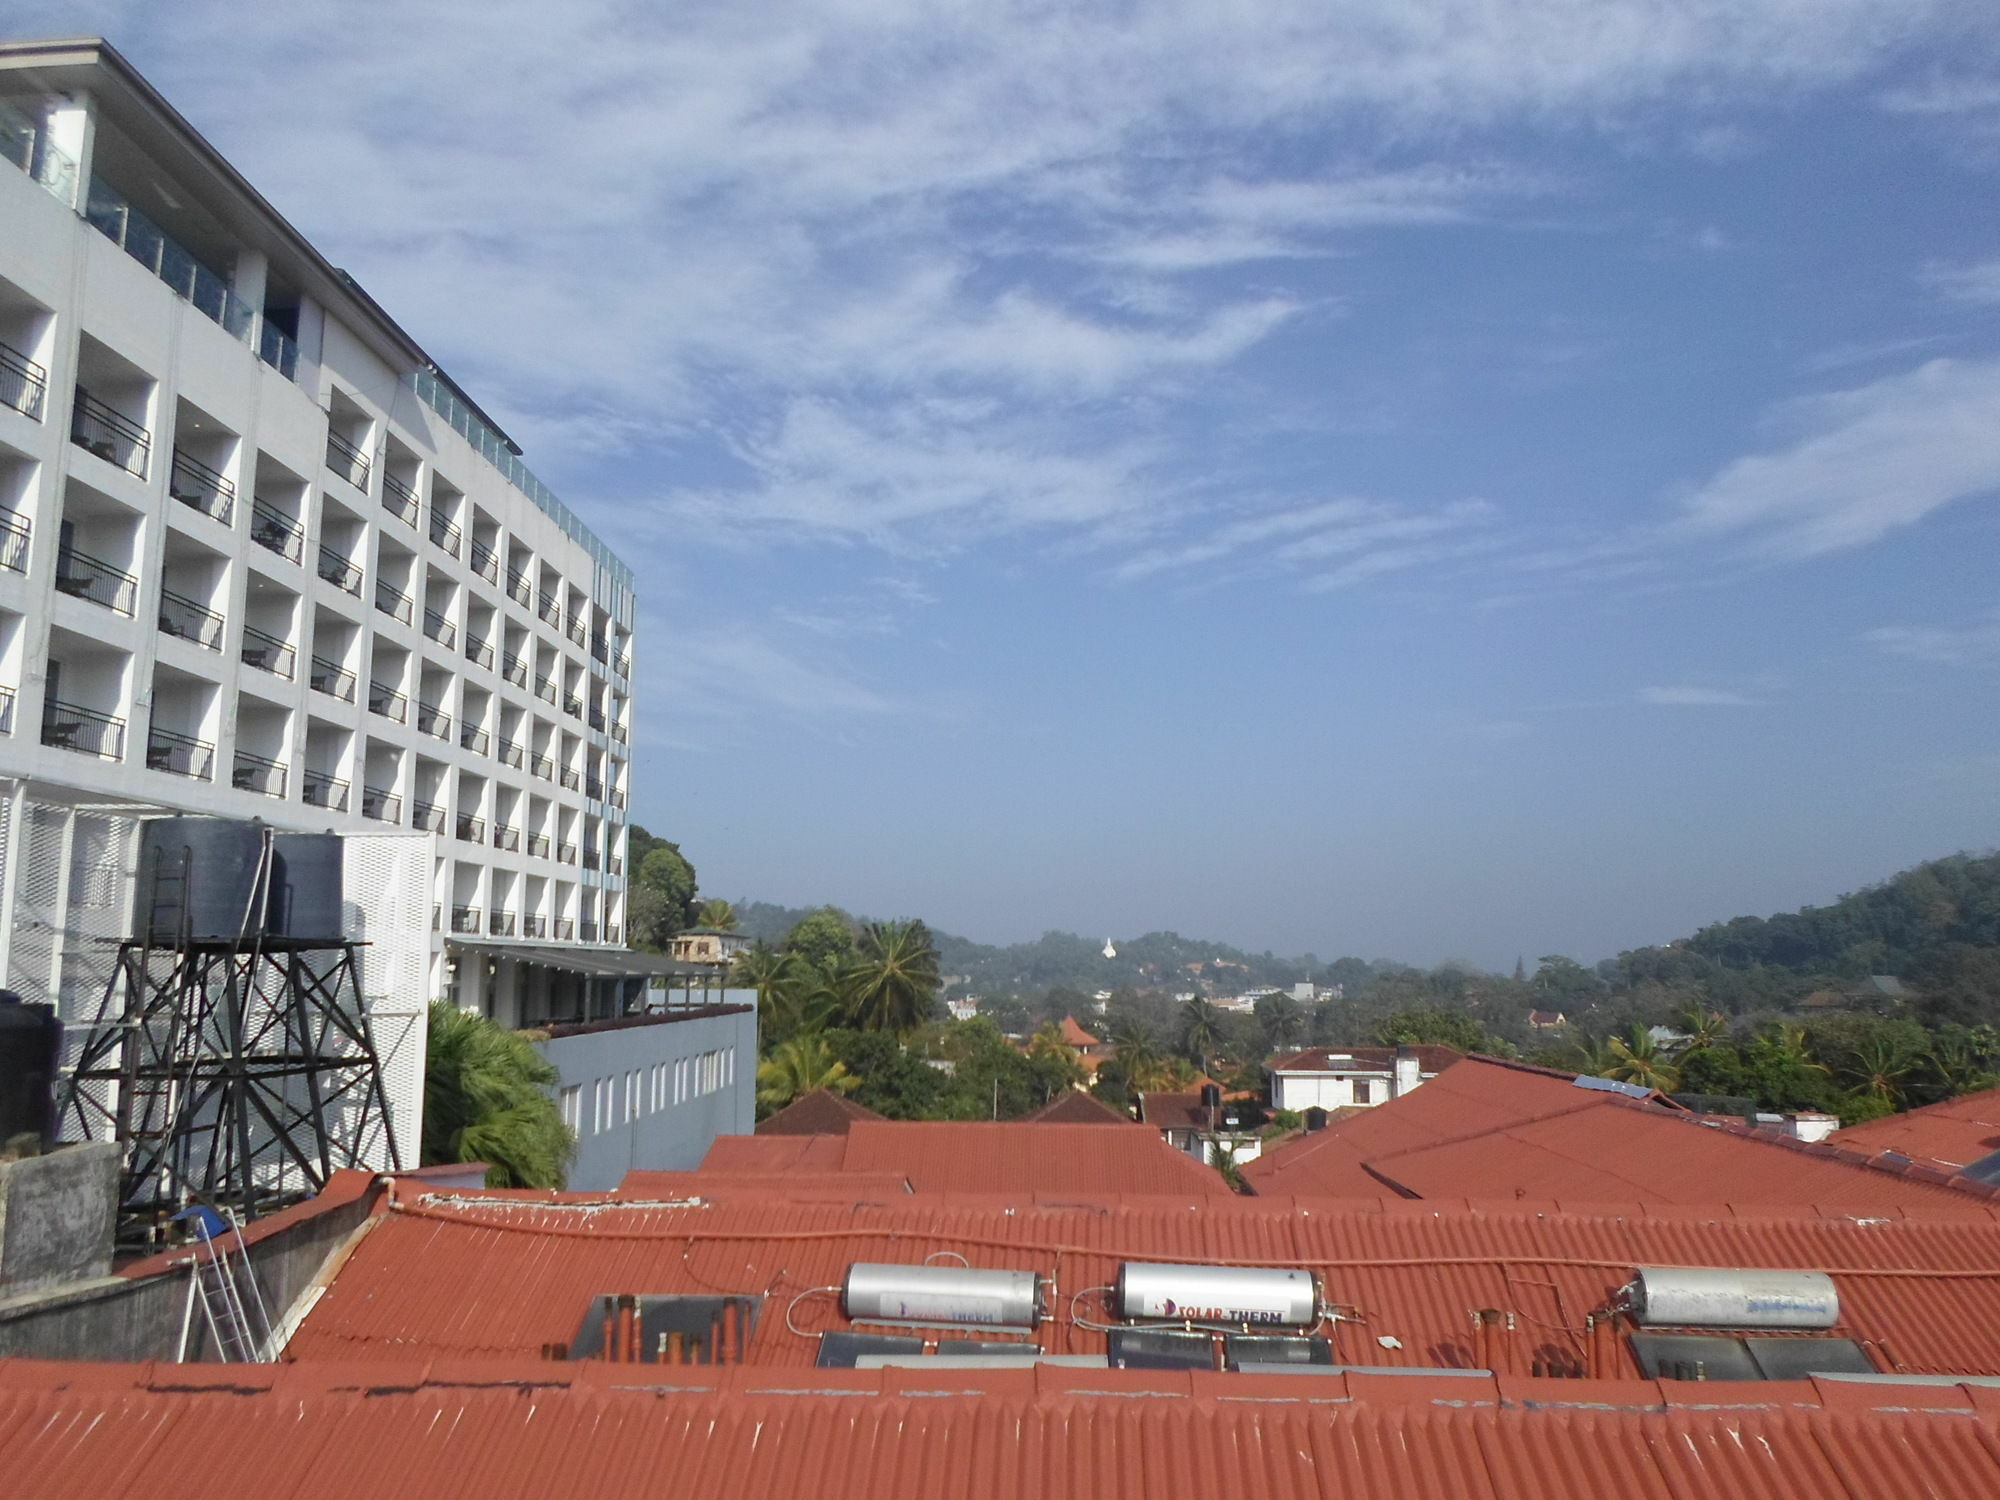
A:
[1950,1135]
[814,1187]
[1361,1059]
[1076,1107]
[496,1276]
[820,1112]
[1011,1157]
[527,1432]
[776,1153]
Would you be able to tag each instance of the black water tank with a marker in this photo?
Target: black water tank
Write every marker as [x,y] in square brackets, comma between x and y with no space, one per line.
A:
[1211,1096]
[209,876]
[29,1038]
[306,886]
[1315,1118]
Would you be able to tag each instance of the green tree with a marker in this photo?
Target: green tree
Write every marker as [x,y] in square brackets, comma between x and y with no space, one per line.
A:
[718,914]
[1431,1025]
[823,938]
[891,984]
[1282,1021]
[1703,1027]
[1201,1028]
[1637,1058]
[486,1098]
[664,869]
[797,1066]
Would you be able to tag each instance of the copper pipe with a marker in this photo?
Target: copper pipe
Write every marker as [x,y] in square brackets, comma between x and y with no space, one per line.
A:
[628,1312]
[604,1350]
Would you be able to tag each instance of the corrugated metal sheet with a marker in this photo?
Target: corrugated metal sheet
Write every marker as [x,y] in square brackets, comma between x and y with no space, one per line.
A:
[331,1434]
[496,1277]
[819,1112]
[1950,1135]
[1362,1059]
[1075,1107]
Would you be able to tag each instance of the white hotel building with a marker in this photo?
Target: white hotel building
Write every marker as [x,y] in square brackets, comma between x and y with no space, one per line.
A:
[259,557]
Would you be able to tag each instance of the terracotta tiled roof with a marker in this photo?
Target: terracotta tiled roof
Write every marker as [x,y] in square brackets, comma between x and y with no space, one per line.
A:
[804,1186]
[1950,1135]
[1077,1107]
[776,1153]
[525,1431]
[821,1112]
[1361,1059]
[1075,1035]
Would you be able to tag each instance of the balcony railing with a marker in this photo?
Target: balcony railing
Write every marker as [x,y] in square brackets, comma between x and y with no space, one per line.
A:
[180,754]
[615,864]
[534,925]
[618,731]
[589,930]
[444,534]
[573,706]
[24,385]
[599,646]
[267,653]
[386,701]
[324,790]
[258,773]
[513,754]
[465,919]
[6,710]
[564,928]
[577,631]
[500,924]
[622,665]
[572,779]
[433,720]
[111,435]
[427,815]
[471,829]
[610,932]
[399,499]
[597,720]
[194,483]
[277,531]
[549,607]
[617,799]
[485,561]
[346,460]
[394,603]
[520,590]
[439,629]
[593,788]
[590,859]
[566,854]
[276,348]
[381,804]
[538,845]
[82,576]
[478,652]
[331,678]
[472,737]
[514,669]
[506,836]
[183,617]
[70,726]
[14,535]
[546,689]
[339,572]
[542,766]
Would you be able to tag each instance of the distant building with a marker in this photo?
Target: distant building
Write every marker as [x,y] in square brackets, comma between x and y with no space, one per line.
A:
[708,945]
[1331,1078]
[1230,1130]
[964,1008]
[1547,1020]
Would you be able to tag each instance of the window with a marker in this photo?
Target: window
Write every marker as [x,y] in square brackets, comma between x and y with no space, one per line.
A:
[601,1106]
[1364,1091]
[571,1102]
[632,1095]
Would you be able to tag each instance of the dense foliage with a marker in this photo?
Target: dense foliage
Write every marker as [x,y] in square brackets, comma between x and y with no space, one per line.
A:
[486,1099]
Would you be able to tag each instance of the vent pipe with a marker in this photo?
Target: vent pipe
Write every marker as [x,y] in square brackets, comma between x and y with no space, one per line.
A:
[1408,1075]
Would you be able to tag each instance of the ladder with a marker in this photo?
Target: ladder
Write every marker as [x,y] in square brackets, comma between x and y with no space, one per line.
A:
[216,1281]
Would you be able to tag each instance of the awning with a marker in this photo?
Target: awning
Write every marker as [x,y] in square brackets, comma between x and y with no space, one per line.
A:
[619,963]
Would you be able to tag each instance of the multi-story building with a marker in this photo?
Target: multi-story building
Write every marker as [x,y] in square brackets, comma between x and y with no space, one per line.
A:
[260,557]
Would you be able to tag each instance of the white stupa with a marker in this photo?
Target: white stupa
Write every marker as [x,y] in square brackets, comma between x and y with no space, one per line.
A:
[1110,948]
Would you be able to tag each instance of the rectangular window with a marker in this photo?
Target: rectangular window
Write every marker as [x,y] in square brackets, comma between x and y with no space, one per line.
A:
[571,1100]
[632,1095]
[1364,1091]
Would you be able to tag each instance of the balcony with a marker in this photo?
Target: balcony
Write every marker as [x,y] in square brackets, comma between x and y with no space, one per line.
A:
[399,499]
[534,925]
[24,385]
[573,706]
[618,732]
[465,919]
[622,666]
[331,678]
[538,845]
[427,815]
[439,629]
[180,755]
[549,607]
[572,780]
[195,484]
[597,719]
[617,799]
[381,804]
[589,930]
[615,864]
[339,572]
[70,726]
[257,773]
[514,669]
[485,562]
[479,653]
[181,616]
[472,737]
[267,653]
[433,721]
[599,647]
[471,829]
[520,590]
[610,932]
[394,603]
[278,532]
[593,788]
[500,924]
[323,790]
[566,854]
[512,754]
[277,350]
[386,701]
[6,710]
[113,437]
[590,858]
[542,766]
[546,690]
[82,576]
[564,928]
[506,836]
[445,535]
[346,460]
[576,631]
[13,542]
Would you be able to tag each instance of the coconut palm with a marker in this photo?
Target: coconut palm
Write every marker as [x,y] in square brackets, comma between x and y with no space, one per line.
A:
[1703,1027]
[1201,1029]
[1880,1068]
[1637,1058]
[1284,1023]
[718,914]
[486,1098]
[797,1066]
[893,980]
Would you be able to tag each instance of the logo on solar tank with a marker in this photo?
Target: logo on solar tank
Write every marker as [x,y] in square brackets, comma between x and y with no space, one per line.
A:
[1173,1309]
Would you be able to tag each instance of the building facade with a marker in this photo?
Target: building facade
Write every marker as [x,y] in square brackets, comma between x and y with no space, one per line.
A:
[261,558]
[1347,1077]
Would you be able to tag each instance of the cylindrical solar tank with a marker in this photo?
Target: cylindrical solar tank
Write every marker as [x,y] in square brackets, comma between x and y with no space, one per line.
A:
[210,885]
[30,1036]
[1703,1297]
[306,886]
[942,1294]
[1217,1294]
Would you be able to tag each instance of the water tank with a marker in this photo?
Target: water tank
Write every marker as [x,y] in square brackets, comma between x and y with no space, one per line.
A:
[1702,1297]
[29,1038]
[306,886]
[1217,1294]
[208,884]
[1315,1118]
[942,1294]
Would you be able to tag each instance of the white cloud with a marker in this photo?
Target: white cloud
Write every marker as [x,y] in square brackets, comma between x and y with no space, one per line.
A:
[1972,645]
[1694,697]
[1977,283]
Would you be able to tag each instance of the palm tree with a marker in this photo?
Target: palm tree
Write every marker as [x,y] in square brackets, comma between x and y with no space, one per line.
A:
[1592,1057]
[893,980]
[1703,1027]
[1879,1068]
[718,914]
[797,1066]
[1138,1055]
[486,1098]
[1201,1029]
[1284,1022]
[1637,1058]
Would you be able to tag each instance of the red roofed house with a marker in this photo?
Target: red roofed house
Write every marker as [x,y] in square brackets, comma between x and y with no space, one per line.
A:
[1336,1077]
[1951,1135]
[817,1112]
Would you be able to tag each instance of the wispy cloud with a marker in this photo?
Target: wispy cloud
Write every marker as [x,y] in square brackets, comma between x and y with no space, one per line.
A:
[1695,697]
[1977,283]
[1970,645]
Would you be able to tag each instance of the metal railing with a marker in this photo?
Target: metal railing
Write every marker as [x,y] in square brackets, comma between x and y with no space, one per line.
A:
[6,710]
[542,766]
[267,653]
[381,804]
[82,576]
[110,434]
[465,919]
[324,790]
[428,815]
[564,928]
[618,731]
[615,864]
[472,737]
[478,652]
[386,701]
[444,534]
[593,788]
[277,531]
[258,773]
[399,499]
[599,646]
[538,845]
[433,720]
[520,590]
[610,932]
[589,930]
[617,799]
[576,630]
[485,561]
[549,607]
[500,924]
[14,536]
[338,571]
[24,385]
[183,617]
[573,706]
[572,780]
[534,925]
[590,858]
[512,753]
[546,689]
[597,719]
[622,665]
[506,836]
[514,669]
[394,603]
[566,854]
[195,484]
[471,829]
[71,726]
[278,350]
[180,754]
[346,460]
[439,629]
[331,678]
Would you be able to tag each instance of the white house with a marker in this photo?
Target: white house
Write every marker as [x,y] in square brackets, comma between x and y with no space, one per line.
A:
[1341,1077]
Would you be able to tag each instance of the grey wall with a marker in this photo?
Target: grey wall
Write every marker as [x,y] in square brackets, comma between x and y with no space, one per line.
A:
[676,1135]
[56,1216]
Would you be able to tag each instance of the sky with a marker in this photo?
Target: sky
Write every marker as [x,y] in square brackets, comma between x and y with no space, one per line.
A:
[1430,479]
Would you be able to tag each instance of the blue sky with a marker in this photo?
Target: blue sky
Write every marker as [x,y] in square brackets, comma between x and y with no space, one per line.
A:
[1429,480]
